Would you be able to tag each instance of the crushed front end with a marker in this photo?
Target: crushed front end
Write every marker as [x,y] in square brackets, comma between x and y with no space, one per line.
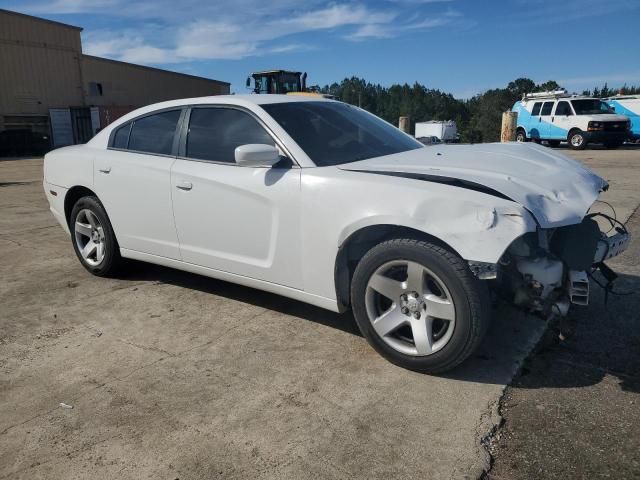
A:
[548,270]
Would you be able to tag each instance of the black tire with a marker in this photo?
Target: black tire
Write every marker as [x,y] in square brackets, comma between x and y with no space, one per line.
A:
[554,143]
[521,135]
[112,262]
[469,295]
[577,140]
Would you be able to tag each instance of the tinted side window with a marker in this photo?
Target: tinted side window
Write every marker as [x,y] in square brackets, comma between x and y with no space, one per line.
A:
[563,108]
[536,108]
[154,133]
[214,133]
[121,137]
[546,108]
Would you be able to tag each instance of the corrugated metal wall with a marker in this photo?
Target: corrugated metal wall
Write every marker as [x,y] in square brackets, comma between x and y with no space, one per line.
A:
[39,65]
[128,84]
[42,67]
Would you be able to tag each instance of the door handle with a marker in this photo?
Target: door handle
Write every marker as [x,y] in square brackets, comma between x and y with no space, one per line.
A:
[184,185]
[105,170]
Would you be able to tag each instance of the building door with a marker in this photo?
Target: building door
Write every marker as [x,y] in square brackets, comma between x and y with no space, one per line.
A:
[81,123]
[61,127]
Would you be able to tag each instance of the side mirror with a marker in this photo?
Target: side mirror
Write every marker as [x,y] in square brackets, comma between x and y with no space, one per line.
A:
[257,155]
[248,82]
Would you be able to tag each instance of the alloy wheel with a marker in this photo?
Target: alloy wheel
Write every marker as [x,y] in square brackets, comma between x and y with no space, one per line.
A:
[410,308]
[89,237]
[577,140]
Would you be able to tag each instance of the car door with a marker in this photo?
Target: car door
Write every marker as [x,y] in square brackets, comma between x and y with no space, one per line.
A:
[545,119]
[238,219]
[132,178]
[562,120]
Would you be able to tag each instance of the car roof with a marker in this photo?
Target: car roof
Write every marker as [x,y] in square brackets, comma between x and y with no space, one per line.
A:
[246,101]
[255,99]
[553,99]
[240,100]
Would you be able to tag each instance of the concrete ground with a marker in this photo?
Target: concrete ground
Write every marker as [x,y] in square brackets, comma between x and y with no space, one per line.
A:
[574,410]
[172,375]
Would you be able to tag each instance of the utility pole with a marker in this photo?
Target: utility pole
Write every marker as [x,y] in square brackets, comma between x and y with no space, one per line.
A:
[404,123]
[509,122]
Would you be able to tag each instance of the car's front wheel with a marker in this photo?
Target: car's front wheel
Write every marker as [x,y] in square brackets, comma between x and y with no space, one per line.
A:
[577,140]
[419,305]
[93,238]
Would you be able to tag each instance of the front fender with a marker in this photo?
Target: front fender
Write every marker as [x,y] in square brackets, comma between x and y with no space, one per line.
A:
[476,232]
[336,204]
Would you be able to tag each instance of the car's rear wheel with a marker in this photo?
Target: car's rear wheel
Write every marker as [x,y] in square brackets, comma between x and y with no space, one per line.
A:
[419,305]
[577,140]
[93,238]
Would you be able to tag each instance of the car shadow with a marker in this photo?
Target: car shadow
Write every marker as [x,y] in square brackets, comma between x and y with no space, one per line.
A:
[140,271]
[512,335]
[602,340]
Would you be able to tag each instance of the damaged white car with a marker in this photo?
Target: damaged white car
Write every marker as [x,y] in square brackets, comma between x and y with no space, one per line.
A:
[325,203]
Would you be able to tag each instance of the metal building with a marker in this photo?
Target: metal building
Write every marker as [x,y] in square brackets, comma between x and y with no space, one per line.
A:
[51,94]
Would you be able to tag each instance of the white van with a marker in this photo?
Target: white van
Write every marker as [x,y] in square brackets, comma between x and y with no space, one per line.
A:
[628,105]
[557,116]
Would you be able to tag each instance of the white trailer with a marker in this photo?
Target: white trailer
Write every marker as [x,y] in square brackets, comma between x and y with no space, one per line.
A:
[446,131]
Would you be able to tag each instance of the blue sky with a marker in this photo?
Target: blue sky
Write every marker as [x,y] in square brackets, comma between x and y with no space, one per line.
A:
[459,46]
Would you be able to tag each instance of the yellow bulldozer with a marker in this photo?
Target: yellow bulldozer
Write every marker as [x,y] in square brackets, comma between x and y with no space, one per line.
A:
[283,82]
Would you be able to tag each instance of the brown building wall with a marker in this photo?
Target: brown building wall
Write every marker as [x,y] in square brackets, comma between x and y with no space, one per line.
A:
[39,66]
[120,83]
[42,67]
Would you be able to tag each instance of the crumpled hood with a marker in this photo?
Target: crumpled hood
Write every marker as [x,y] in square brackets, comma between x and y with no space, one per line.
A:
[556,189]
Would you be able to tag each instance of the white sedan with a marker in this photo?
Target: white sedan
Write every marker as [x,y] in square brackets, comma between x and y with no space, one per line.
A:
[325,203]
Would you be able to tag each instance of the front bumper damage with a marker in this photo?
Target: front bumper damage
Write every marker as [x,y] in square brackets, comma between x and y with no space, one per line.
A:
[548,270]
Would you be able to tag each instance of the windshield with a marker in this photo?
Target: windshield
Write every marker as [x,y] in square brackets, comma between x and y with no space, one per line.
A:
[333,133]
[590,107]
[289,82]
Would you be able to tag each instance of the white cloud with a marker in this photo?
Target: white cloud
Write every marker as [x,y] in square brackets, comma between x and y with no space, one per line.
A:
[546,12]
[414,22]
[163,31]
[420,2]
[66,6]
[631,78]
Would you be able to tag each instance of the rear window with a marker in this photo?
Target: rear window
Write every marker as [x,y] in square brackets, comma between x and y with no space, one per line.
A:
[546,108]
[154,133]
[563,108]
[121,137]
[536,108]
